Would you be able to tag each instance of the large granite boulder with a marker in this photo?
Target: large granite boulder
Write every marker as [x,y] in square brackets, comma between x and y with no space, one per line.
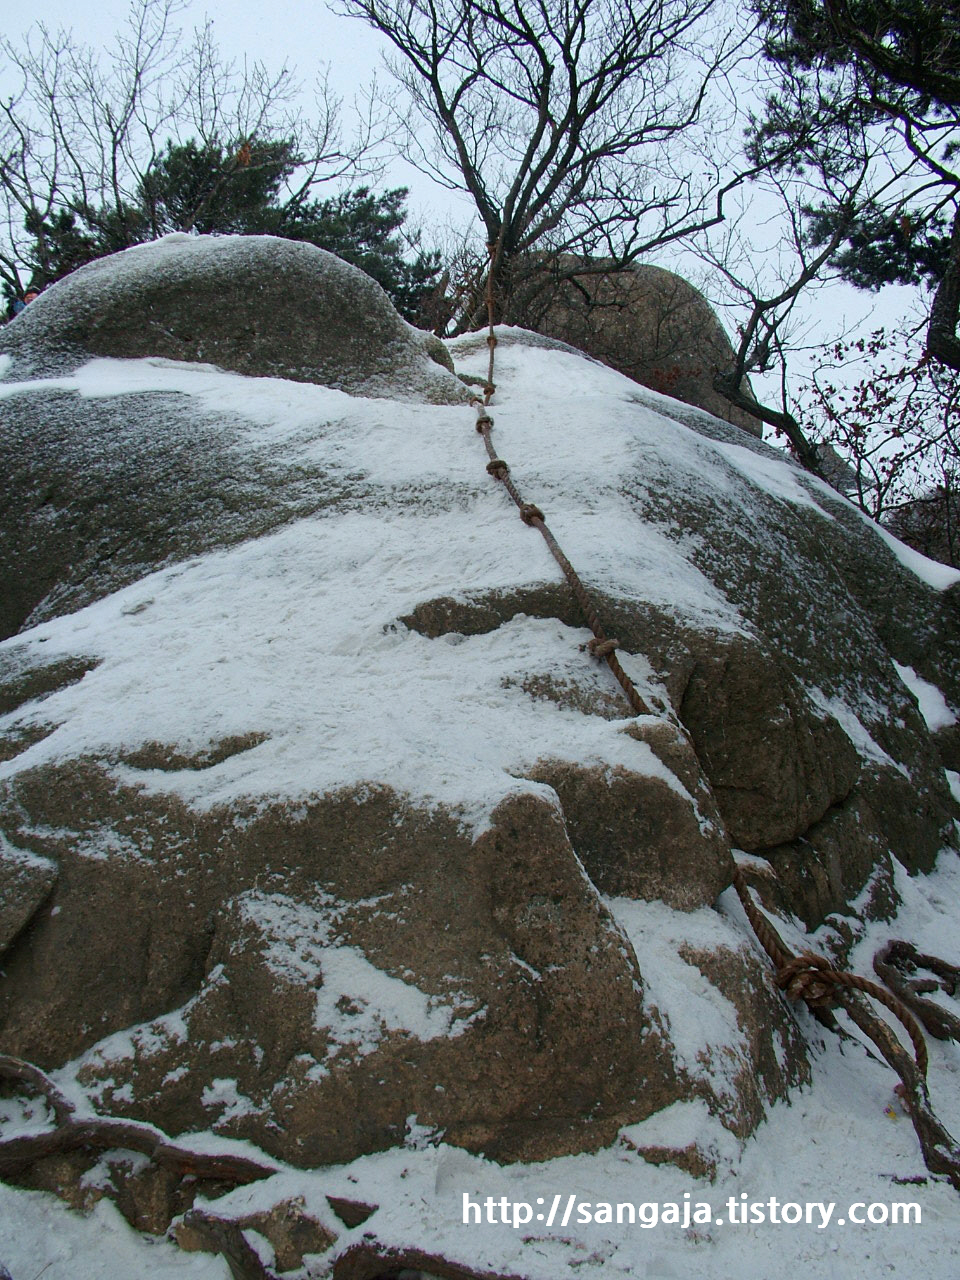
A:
[258,305]
[319,827]
[102,488]
[645,321]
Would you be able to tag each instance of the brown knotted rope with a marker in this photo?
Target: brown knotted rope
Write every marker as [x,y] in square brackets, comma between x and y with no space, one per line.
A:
[489,388]
[815,980]
[806,977]
[602,646]
[941,1152]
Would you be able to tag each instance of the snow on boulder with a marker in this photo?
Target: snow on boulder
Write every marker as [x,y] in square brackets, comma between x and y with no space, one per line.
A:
[178,485]
[257,305]
[326,826]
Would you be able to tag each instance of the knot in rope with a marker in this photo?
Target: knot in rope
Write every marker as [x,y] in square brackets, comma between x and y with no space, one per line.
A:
[810,978]
[497,467]
[529,511]
[814,979]
[602,648]
[484,422]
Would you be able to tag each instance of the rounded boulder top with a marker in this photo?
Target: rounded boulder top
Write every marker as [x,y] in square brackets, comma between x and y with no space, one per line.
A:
[255,305]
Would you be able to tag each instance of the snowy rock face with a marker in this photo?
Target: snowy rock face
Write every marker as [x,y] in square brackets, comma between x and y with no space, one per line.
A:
[318,823]
[253,304]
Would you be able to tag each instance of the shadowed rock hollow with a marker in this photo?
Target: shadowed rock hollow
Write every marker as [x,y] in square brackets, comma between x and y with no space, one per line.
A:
[317,822]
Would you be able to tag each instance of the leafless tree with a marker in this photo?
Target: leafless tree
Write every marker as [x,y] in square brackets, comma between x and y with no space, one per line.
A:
[82,129]
[808,158]
[892,68]
[894,417]
[583,130]
[760,281]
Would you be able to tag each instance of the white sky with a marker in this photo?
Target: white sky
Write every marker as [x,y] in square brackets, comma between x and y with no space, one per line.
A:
[302,32]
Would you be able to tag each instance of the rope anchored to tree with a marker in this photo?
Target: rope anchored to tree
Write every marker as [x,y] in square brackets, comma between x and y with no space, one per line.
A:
[816,981]
[813,979]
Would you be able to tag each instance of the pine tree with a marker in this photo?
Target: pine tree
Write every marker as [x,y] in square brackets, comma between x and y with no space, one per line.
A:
[849,66]
[245,188]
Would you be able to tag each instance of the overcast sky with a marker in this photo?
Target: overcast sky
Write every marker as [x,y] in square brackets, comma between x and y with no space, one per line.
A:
[302,32]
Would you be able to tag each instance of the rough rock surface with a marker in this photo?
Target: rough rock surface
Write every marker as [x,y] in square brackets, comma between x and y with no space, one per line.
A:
[25,881]
[255,304]
[650,324]
[332,830]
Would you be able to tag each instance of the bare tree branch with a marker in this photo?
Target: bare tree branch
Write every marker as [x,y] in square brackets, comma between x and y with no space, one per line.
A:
[573,125]
[84,130]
